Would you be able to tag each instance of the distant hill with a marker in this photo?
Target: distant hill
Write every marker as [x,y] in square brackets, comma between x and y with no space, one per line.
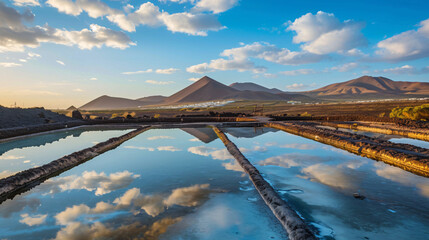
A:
[71,108]
[367,87]
[106,103]
[248,86]
[152,99]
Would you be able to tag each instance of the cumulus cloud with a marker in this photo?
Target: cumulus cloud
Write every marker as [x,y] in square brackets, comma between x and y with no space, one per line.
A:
[323,33]
[16,36]
[98,230]
[159,82]
[100,183]
[133,200]
[218,154]
[240,58]
[21,3]
[335,176]
[345,67]
[147,14]
[408,45]
[33,220]
[215,6]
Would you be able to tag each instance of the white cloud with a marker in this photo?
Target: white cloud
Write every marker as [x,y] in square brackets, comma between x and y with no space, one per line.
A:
[323,33]
[193,79]
[298,72]
[10,64]
[147,14]
[138,72]
[32,220]
[71,213]
[16,36]
[406,69]
[93,79]
[60,62]
[150,149]
[218,154]
[412,44]
[99,183]
[26,3]
[345,67]
[215,6]
[167,71]
[192,24]
[33,55]
[168,148]
[297,86]
[240,58]
[159,82]
[78,90]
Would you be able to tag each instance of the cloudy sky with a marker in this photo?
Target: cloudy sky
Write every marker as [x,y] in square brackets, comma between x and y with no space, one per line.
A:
[55,53]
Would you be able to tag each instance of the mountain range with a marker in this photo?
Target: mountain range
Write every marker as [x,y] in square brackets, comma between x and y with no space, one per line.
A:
[207,89]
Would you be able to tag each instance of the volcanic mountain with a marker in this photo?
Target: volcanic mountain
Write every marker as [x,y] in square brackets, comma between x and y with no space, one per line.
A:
[203,90]
[371,87]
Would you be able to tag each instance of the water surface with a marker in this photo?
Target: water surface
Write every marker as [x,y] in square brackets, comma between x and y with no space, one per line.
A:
[25,153]
[162,184]
[319,182]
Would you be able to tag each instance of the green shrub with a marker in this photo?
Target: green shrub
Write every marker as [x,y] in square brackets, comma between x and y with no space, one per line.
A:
[414,113]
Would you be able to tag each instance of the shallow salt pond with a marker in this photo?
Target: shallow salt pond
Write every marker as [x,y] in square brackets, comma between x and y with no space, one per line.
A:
[319,182]
[25,153]
[162,184]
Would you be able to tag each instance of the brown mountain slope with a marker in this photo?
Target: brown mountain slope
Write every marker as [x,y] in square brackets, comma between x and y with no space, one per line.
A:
[152,99]
[106,103]
[248,86]
[205,89]
[367,85]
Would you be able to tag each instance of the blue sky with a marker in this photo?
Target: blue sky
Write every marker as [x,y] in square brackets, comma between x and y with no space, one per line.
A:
[56,53]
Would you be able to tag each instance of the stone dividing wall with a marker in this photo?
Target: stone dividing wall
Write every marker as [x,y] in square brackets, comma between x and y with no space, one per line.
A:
[408,157]
[35,176]
[384,129]
[294,225]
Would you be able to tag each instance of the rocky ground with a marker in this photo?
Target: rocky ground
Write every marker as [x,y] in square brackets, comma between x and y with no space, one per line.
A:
[23,117]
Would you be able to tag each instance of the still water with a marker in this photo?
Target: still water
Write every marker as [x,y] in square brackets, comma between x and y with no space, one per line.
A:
[25,153]
[162,184]
[319,182]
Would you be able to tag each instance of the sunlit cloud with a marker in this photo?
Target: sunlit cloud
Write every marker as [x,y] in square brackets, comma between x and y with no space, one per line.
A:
[10,64]
[168,148]
[33,220]
[60,62]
